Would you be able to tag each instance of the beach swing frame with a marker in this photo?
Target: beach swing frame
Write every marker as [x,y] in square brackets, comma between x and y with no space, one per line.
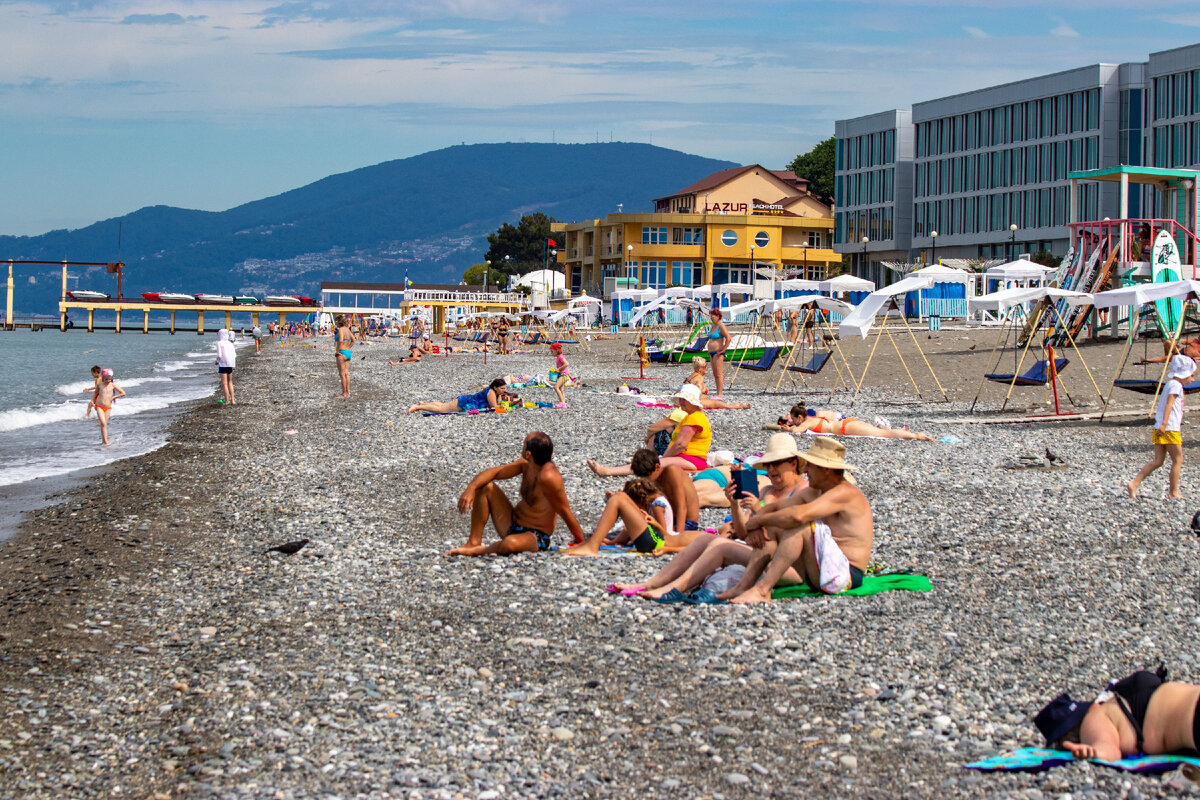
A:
[833,352]
[892,305]
[1030,325]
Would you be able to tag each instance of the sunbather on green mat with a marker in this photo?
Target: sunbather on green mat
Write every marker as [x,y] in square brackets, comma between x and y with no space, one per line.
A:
[822,533]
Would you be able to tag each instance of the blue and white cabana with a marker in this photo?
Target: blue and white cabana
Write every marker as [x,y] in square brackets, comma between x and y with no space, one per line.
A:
[946,295]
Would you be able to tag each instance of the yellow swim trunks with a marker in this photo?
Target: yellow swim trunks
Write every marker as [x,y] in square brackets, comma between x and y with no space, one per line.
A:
[1170,437]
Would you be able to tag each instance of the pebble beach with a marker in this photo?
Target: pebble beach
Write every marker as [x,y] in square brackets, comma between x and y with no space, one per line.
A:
[151,647]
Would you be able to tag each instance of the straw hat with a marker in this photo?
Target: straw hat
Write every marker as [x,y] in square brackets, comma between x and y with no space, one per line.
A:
[826,452]
[780,447]
[689,394]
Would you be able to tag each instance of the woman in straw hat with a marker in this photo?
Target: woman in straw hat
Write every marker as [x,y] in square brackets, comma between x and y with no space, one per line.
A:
[708,553]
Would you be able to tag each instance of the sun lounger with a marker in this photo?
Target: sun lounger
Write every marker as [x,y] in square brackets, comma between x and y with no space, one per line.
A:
[814,365]
[766,362]
[1037,375]
[1150,385]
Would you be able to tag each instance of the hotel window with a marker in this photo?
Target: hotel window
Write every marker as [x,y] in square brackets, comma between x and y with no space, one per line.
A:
[762,239]
[651,235]
[686,273]
[729,238]
[814,239]
[654,274]
[631,269]
[687,235]
[1162,98]
[839,150]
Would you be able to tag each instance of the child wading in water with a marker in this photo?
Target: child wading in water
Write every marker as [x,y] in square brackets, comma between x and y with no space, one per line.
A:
[563,367]
[102,398]
[1168,422]
[92,389]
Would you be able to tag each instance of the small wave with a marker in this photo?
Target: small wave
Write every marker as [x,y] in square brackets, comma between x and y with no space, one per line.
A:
[72,389]
[175,366]
[18,418]
[201,354]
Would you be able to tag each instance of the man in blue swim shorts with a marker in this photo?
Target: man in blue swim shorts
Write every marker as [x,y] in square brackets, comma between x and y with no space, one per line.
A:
[527,526]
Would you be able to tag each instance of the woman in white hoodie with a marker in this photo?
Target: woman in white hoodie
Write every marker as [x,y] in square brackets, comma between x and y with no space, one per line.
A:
[226,361]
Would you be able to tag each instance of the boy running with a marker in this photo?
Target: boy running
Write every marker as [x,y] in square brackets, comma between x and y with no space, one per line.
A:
[1168,422]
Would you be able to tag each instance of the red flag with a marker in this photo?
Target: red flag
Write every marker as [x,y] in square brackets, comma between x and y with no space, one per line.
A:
[552,243]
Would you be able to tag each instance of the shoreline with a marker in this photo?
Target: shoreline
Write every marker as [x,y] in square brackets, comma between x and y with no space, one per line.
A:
[144,621]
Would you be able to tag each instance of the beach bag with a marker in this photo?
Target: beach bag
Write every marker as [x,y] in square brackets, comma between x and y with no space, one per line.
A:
[724,579]
[662,440]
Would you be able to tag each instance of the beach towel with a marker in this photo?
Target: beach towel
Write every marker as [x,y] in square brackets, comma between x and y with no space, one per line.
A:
[654,405]
[1039,759]
[607,550]
[872,584]
[455,413]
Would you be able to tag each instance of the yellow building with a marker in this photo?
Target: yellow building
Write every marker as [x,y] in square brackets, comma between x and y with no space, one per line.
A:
[710,232]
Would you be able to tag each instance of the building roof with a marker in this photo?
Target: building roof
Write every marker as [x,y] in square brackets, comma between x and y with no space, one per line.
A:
[724,176]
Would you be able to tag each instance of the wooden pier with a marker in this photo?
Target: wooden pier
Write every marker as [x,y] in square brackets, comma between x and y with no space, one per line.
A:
[199,309]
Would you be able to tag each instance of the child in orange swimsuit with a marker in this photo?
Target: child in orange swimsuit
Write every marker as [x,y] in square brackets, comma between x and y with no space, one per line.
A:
[102,399]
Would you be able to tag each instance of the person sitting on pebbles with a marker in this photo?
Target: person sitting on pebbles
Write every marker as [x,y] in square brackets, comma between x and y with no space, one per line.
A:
[1141,713]
[690,441]
[699,365]
[527,526]
[823,534]
[822,420]
[707,553]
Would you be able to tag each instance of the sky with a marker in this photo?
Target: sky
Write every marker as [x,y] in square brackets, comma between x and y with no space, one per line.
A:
[107,106]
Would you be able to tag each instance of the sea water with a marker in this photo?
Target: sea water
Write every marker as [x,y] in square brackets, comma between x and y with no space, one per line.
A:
[45,386]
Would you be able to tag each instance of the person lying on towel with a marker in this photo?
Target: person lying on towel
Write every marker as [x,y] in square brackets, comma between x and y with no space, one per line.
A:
[1142,713]
[821,534]
[822,420]
[527,526]
[708,553]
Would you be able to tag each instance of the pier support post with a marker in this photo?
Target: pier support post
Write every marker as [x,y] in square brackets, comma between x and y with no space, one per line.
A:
[145,320]
[254,318]
[282,319]
[8,320]
[91,316]
[62,318]
[199,323]
[118,326]
[228,320]
[172,322]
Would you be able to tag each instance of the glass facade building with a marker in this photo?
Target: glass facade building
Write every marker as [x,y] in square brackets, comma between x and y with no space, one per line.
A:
[984,161]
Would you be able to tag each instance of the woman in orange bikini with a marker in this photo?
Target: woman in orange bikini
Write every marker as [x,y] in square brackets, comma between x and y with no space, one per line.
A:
[822,420]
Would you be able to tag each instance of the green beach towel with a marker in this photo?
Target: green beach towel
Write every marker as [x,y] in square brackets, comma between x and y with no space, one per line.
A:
[872,584]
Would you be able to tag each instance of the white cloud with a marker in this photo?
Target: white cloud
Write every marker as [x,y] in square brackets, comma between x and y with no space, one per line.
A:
[1064,31]
[977,33]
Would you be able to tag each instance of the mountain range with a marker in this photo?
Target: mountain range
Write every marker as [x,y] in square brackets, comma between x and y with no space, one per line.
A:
[428,215]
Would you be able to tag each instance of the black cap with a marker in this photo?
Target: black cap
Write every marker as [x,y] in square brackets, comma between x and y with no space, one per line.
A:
[1059,717]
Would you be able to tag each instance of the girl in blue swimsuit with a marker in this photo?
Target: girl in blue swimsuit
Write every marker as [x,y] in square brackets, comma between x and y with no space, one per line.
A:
[483,400]
[343,339]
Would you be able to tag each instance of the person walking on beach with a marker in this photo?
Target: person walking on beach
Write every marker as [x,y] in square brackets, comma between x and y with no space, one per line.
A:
[226,361]
[343,339]
[527,526]
[102,398]
[1168,424]
[92,389]
[256,332]
[563,367]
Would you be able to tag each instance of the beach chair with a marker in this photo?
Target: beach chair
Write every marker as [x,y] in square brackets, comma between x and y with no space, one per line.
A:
[765,362]
[697,346]
[814,365]
[1037,375]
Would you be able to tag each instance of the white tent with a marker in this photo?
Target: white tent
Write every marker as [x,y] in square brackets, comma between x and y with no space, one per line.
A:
[845,283]
[1142,293]
[823,302]
[636,295]
[544,279]
[662,302]
[583,301]
[678,291]
[1020,295]
[1020,270]
[733,288]
[745,308]
[801,285]
[937,273]
[858,322]
[699,292]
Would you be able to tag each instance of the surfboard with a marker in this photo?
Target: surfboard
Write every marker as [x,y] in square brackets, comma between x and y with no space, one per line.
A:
[1164,262]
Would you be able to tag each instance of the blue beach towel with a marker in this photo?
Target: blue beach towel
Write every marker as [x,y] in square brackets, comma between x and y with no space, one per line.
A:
[1040,759]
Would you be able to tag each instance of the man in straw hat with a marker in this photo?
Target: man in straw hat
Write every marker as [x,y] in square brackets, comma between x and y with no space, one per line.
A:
[823,532]
[689,442]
